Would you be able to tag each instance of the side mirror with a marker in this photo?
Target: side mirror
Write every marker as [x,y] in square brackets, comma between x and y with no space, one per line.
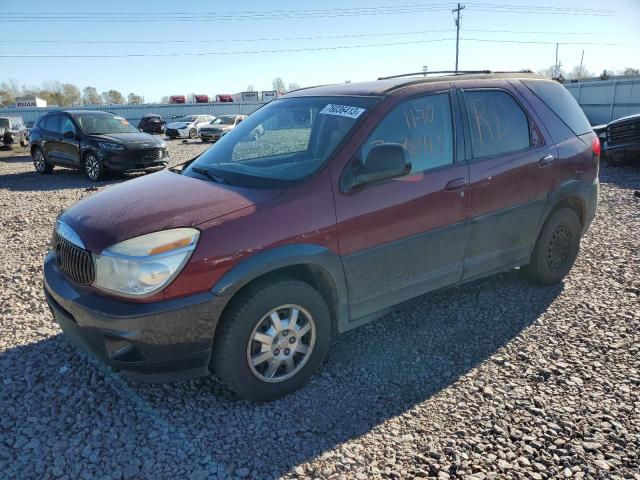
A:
[69,134]
[384,162]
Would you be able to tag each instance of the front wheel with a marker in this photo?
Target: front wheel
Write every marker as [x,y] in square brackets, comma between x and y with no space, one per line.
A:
[192,133]
[272,339]
[93,167]
[556,248]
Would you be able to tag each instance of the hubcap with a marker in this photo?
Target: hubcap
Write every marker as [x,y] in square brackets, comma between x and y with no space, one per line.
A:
[92,167]
[281,343]
[38,159]
[559,246]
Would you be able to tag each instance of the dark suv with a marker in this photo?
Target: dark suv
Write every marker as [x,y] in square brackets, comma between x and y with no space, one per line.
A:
[354,199]
[152,124]
[97,142]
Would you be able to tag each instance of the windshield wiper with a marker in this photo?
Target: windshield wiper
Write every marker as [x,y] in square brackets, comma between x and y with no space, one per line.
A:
[208,174]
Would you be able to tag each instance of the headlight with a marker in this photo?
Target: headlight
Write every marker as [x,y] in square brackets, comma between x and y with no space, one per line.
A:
[111,146]
[163,144]
[144,265]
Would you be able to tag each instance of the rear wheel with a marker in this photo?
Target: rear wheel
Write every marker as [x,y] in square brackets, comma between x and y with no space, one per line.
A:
[272,340]
[93,167]
[556,248]
[40,162]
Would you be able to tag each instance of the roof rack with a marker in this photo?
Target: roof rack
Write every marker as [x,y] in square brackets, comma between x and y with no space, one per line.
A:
[459,72]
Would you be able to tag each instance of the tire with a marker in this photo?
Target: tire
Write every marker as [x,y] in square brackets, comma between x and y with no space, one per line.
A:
[40,162]
[556,248]
[93,167]
[192,133]
[250,317]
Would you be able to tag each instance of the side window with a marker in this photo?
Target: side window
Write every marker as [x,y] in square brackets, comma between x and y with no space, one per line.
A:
[201,119]
[423,125]
[52,123]
[67,125]
[497,123]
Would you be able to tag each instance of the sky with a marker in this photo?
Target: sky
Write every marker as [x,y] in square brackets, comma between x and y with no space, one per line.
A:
[423,33]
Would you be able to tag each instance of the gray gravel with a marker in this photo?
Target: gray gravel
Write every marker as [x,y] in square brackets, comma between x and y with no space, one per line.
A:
[494,379]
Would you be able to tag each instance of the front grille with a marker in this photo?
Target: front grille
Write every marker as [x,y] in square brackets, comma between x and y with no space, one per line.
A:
[623,133]
[171,132]
[75,262]
[151,155]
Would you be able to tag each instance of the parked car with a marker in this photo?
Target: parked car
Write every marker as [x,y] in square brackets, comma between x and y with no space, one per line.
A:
[187,127]
[623,139]
[97,142]
[14,131]
[358,197]
[152,123]
[215,129]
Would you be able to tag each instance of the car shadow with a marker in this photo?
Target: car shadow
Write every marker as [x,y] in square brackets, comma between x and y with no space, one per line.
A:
[370,375]
[60,179]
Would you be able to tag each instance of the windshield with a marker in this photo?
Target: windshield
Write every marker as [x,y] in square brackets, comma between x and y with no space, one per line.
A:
[223,121]
[4,123]
[188,119]
[284,141]
[98,123]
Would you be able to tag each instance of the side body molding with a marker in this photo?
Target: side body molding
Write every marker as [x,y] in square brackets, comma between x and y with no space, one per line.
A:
[287,256]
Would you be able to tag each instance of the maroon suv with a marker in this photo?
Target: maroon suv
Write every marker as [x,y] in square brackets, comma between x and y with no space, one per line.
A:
[356,198]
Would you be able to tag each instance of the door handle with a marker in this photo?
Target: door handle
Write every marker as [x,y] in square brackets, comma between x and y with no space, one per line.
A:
[547,160]
[456,184]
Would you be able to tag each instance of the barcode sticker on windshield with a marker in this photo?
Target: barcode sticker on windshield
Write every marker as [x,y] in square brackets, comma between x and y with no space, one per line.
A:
[342,110]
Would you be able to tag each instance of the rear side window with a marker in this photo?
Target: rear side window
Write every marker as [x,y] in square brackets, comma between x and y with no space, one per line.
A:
[498,124]
[558,99]
[52,123]
[423,125]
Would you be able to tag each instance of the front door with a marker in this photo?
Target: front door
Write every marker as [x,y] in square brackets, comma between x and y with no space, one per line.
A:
[510,176]
[69,146]
[407,236]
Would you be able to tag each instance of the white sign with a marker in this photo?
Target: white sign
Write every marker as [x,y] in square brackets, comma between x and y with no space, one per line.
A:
[342,110]
[269,95]
[249,96]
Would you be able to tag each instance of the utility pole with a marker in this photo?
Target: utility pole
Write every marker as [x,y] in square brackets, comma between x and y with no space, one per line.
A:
[580,69]
[457,22]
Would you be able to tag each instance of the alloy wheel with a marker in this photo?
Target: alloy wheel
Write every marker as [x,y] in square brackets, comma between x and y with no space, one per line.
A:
[39,161]
[92,167]
[281,343]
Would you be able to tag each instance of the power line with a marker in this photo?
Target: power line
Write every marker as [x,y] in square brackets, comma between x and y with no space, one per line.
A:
[284,50]
[270,39]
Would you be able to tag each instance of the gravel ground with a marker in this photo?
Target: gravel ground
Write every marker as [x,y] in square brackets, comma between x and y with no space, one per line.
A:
[494,379]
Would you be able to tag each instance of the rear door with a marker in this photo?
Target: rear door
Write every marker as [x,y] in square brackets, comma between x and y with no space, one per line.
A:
[511,176]
[407,236]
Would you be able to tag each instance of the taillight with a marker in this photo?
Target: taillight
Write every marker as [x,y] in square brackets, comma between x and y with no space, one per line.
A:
[595,146]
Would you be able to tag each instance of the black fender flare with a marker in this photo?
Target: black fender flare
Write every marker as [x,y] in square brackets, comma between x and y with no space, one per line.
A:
[276,258]
[587,192]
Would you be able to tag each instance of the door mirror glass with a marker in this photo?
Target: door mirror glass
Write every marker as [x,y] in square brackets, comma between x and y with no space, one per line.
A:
[384,162]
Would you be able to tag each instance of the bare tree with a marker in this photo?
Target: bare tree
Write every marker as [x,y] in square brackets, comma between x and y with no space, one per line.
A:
[278,85]
[134,99]
[90,96]
[249,88]
[294,86]
[113,97]
[72,95]
[576,73]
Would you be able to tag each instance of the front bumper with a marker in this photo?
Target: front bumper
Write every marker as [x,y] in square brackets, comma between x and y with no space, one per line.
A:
[618,153]
[135,159]
[153,342]
[177,133]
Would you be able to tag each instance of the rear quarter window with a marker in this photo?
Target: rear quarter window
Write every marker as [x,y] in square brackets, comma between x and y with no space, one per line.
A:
[561,102]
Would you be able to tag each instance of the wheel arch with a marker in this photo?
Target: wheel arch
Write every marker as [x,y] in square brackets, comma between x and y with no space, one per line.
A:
[313,264]
[579,196]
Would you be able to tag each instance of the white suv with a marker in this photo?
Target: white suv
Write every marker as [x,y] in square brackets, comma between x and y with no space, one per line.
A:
[188,126]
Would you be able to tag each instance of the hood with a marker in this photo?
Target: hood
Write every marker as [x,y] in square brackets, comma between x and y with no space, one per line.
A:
[158,201]
[220,127]
[135,138]
[179,125]
[626,119]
